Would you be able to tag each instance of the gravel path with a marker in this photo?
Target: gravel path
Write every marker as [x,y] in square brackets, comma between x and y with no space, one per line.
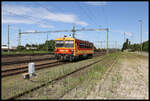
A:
[127,80]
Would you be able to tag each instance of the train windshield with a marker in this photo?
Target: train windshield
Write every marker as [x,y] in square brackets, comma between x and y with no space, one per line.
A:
[69,43]
[59,44]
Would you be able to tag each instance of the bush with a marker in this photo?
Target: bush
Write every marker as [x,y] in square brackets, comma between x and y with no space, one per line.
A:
[20,48]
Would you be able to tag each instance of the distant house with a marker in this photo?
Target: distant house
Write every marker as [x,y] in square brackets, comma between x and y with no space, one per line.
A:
[31,48]
[5,48]
[128,50]
[13,47]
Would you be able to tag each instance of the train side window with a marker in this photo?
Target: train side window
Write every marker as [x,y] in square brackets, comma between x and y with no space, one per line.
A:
[88,46]
[76,45]
[85,45]
[81,45]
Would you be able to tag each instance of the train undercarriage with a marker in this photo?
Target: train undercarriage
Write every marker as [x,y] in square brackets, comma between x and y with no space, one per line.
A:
[70,57]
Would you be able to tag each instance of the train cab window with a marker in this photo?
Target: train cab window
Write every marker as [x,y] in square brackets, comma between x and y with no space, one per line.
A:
[76,45]
[59,44]
[69,43]
[82,45]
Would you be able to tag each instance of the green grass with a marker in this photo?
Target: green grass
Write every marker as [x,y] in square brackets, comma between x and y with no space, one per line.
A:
[87,78]
[89,75]
[10,85]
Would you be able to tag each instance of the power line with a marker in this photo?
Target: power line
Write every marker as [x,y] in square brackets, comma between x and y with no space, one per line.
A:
[105,16]
[89,17]
[73,30]
[91,11]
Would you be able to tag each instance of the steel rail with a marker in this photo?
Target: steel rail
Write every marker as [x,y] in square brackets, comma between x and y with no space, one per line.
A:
[15,71]
[54,80]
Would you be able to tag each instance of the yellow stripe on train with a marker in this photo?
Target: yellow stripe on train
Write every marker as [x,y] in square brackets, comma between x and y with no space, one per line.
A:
[84,52]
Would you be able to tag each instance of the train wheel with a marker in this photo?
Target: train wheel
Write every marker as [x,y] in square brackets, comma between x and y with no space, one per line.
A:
[62,58]
[90,56]
[71,59]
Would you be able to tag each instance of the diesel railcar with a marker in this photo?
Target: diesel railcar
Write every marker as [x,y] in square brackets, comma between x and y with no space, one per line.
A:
[71,49]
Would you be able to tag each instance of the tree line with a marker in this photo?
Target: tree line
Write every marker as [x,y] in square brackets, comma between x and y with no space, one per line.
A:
[49,45]
[135,47]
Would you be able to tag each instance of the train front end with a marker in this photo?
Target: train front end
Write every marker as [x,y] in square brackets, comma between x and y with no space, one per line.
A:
[64,48]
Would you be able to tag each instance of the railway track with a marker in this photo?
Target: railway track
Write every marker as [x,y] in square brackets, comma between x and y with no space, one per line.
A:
[25,58]
[18,70]
[57,79]
[104,76]
[14,71]
[25,61]
[17,55]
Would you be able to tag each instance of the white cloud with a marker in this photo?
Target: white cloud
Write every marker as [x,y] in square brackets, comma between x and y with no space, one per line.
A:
[101,3]
[15,9]
[66,18]
[31,31]
[33,15]
[82,23]
[129,33]
[45,25]
[10,20]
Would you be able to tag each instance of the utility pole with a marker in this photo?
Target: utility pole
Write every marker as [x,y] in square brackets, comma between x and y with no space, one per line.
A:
[8,39]
[101,44]
[47,42]
[116,44]
[124,37]
[19,37]
[73,35]
[107,40]
[141,33]
[47,37]
[73,30]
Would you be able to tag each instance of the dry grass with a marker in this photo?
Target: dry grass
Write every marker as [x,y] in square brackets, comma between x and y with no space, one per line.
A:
[16,84]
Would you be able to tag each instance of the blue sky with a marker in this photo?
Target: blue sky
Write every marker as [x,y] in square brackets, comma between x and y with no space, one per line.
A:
[119,17]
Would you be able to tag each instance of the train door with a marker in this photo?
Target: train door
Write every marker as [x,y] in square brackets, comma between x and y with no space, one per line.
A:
[76,48]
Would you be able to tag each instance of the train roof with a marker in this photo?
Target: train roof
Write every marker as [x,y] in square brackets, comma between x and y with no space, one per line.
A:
[65,38]
[70,38]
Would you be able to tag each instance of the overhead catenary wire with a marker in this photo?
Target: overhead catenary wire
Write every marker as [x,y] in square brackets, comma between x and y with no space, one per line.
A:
[92,13]
[105,16]
[93,21]
[86,12]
